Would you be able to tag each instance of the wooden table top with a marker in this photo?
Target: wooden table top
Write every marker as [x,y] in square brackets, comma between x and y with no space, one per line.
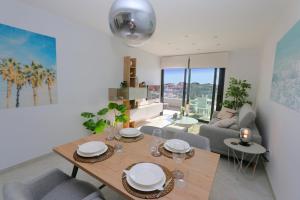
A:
[199,171]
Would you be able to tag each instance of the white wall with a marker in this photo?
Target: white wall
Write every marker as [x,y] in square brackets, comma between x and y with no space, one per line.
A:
[88,62]
[278,124]
[244,64]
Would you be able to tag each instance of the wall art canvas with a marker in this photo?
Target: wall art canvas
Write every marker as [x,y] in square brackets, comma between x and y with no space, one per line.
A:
[286,72]
[27,68]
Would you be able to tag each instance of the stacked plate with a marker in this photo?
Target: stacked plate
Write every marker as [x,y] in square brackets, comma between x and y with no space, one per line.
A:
[146,177]
[130,132]
[92,149]
[177,146]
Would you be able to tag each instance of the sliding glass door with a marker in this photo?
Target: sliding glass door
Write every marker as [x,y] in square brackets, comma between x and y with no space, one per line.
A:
[174,84]
[201,93]
[197,87]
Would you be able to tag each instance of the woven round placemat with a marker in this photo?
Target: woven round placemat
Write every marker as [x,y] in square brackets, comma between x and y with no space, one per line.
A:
[106,155]
[150,195]
[169,154]
[133,139]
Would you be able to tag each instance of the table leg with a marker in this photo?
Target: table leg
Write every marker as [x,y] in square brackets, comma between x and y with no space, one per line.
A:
[241,163]
[233,158]
[254,168]
[250,162]
[74,171]
[228,152]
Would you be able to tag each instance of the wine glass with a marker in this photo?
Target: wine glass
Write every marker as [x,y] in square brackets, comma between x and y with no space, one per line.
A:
[157,140]
[178,174]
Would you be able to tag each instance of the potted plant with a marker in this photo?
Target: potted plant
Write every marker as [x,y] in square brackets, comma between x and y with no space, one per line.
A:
[98,122]
[237,94]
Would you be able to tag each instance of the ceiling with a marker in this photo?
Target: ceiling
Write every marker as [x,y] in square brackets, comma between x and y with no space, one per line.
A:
[185,26]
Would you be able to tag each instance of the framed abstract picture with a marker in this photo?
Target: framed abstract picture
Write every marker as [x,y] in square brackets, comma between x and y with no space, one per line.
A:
[286,71]
[28,75]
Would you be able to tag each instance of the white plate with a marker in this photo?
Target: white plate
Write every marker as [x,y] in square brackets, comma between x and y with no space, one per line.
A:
[93,154]
[158,186]
[146,174]
[92,147]
[177,146]
[130,132]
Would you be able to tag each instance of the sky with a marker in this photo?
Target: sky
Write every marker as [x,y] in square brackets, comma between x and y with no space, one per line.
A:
[26,46]
[201,75]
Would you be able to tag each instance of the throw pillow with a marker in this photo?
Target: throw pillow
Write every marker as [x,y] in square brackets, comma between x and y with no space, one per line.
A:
[226,113]
[225,123]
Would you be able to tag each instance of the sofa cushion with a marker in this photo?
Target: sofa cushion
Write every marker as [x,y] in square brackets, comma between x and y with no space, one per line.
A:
[246,116]
[225,123]
[226,113]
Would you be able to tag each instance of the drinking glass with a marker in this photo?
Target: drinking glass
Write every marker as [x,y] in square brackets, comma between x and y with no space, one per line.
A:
[111,134]
[178,158]
[157,140]
[118,146]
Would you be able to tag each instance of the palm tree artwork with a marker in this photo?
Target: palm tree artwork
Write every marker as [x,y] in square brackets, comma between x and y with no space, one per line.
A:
[35,75]
[20,81]
[27,68]
[50,80]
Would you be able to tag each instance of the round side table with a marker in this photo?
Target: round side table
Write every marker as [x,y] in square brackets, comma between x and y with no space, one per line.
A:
[256,150]
[186,122]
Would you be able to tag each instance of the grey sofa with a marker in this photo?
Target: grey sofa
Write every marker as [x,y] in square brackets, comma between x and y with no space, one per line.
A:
[216,135]
[54,185]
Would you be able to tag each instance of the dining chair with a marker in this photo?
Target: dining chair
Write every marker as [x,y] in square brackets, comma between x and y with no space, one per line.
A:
[149,130]
[53,185]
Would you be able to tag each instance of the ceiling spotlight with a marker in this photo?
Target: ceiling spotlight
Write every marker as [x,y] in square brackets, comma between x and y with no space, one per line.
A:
[133,21]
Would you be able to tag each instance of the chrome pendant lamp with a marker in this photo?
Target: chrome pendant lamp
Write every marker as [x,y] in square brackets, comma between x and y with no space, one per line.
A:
[133,21]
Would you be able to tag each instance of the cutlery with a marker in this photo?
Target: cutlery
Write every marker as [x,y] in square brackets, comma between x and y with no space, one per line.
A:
[164,187]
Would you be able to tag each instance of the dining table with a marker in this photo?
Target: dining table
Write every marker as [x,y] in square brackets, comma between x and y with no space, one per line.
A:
[199,170]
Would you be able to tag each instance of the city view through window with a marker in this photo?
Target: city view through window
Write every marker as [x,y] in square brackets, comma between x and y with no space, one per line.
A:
[200,95]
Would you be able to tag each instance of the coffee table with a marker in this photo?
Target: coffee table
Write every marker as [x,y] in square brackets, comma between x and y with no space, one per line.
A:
[255,150]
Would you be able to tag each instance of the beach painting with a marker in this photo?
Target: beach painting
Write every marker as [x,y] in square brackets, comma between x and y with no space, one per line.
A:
[27,68]
[286,71]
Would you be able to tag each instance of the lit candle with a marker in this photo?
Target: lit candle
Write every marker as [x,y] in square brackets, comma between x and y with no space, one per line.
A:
[245,136]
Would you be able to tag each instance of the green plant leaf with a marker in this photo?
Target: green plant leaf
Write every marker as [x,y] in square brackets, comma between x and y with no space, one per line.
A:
[121,118]
[87,115]
[103,111]
[90,124]
[100,126]
[121,108]
[112,105]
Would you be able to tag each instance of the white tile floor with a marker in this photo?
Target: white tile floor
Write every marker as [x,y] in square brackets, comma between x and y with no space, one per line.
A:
[229,184]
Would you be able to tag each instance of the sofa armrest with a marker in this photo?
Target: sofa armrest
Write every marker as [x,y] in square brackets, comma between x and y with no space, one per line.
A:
[217,136]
